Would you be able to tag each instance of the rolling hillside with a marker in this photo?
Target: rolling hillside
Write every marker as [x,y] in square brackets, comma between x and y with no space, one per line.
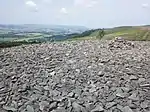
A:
[135,33]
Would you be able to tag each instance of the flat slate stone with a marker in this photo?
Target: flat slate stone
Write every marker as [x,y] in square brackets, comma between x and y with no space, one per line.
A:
[43,104]
[78,108]
[29,108]
[111,98]
[132,77]
[144,104]
[127,109]
[121,95]
[8,108]
[94,77]
[98,108]
[134,97]
[110,104]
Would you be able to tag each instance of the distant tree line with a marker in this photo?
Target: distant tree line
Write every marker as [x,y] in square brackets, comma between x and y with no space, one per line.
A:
[11,36]
[100,34]
[12,44]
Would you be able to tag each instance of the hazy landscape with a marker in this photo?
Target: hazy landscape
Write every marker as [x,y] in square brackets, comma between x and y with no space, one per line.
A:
[74,56]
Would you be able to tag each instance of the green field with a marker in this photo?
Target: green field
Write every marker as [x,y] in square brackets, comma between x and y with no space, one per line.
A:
[136,33]
[27,37]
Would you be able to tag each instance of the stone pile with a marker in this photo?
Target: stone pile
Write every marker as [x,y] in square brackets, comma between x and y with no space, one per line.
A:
[75,77]
[121,43]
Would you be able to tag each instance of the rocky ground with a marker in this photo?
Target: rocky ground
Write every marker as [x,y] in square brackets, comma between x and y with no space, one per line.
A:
[85,76]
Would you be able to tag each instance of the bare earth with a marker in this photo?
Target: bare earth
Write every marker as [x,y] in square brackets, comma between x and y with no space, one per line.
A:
[85,76]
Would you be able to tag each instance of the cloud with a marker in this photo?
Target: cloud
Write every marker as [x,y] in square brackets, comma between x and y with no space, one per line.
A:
[79,2]
[85,3]
[145,5]
[91,4]
[63,10]
[32,5]
[47,1]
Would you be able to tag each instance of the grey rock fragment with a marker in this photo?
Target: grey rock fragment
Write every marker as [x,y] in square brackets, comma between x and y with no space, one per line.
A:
[8,108]
[110,104]
[121,95]
[43,104]
[145,85]
[133,106]
[46,87]
[120,107]
[125,89]
[2,85]
[134,97]
[78,108]
[29,108]
[132,77]
[98,108]
[61,109]
[53,73]
[141,80]
[144,104]
[111,97]
[127,109]
[53,106]
[71,94]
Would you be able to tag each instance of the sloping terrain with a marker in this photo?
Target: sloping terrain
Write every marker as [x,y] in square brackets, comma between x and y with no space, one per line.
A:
[135,33]
[85,76]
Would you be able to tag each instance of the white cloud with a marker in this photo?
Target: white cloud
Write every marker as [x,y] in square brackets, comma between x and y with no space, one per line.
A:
[32,5]
[47,1]
[145,5]
[63,10]
[79,2]
[85,3]
[91,4]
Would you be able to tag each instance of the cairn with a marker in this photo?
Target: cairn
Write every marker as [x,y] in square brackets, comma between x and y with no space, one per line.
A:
[120,43]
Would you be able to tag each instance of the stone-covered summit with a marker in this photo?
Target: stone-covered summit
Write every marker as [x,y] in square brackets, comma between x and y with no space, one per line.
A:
[85,76]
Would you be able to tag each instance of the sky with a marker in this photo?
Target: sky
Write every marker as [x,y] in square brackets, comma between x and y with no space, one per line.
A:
[89,13]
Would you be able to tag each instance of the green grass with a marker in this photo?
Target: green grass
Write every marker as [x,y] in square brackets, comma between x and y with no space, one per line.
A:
[134,33]
[28,38]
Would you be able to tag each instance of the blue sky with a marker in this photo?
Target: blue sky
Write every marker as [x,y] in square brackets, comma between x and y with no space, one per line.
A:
[90,13]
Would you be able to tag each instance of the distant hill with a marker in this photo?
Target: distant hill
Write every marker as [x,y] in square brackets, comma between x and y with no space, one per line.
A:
[41,28]
[139,33]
